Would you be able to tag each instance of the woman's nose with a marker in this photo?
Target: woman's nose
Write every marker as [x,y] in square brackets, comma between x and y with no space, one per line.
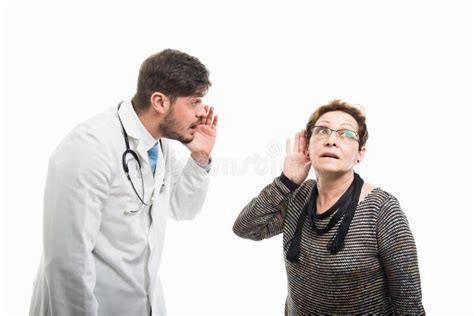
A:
[332,139]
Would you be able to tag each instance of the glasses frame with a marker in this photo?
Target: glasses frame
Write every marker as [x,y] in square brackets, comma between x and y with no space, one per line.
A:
[338,131]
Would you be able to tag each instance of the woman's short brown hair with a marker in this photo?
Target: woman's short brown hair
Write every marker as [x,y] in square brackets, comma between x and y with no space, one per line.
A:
[339,105]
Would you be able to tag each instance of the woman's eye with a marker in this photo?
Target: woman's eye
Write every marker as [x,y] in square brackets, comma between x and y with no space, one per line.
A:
[324,131]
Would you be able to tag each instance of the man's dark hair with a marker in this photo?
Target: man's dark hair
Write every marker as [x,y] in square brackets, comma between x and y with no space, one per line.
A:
[173,73]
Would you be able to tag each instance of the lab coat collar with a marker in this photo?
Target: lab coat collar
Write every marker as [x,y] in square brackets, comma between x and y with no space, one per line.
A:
[140,141]
[134,127]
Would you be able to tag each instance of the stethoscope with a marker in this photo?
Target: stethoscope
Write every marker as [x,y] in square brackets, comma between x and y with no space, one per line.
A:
[134,156]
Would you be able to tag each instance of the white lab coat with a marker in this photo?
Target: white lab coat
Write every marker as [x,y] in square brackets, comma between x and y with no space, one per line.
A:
[101,256]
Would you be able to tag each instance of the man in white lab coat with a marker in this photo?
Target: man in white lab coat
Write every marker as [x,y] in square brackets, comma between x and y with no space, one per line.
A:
[111,185]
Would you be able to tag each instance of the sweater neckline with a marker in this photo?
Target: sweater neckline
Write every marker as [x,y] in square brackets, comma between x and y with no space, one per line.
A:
[367,197]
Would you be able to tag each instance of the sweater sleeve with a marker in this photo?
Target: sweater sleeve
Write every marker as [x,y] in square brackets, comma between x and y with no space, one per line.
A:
[398,255]
[263,217]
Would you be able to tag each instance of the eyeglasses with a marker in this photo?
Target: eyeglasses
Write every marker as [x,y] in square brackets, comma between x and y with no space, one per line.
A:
[343,134]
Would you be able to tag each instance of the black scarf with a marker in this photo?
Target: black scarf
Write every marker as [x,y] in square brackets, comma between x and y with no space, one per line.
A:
[344,208]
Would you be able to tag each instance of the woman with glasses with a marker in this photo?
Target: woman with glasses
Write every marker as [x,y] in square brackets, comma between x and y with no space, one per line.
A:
[347,245]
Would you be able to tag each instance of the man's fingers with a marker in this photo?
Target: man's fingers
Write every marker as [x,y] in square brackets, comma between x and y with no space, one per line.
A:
[214,122]
[288,146]
[210,113]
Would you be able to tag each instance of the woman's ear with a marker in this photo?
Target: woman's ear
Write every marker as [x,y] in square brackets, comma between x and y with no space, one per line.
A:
[361,154]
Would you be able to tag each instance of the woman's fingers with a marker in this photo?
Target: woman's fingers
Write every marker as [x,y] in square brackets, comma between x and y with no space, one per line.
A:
[288,146]
[296,143]
[303,141]
[299,143]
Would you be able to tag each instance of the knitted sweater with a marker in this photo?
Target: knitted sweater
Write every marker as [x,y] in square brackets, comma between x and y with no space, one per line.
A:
[375,273]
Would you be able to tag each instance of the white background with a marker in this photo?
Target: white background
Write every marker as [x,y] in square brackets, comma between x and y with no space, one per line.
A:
[409,65]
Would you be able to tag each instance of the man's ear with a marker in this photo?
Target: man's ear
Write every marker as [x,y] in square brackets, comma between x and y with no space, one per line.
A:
[159,102]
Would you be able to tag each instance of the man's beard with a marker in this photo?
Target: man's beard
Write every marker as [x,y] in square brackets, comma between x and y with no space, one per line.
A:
[168,128]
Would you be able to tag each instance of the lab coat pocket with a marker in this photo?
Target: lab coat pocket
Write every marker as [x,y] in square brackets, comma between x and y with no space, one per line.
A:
[134,208]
